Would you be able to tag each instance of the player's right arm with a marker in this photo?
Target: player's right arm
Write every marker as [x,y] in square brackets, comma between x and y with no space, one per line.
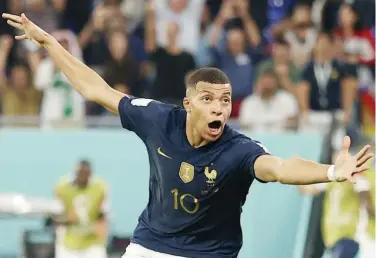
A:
[88,83]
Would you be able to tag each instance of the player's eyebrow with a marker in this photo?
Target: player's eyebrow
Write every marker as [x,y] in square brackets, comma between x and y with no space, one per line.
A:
[212,93]
[206,92]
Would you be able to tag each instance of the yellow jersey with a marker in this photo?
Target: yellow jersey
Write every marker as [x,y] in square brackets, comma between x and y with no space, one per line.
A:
[86,203]
[341,211]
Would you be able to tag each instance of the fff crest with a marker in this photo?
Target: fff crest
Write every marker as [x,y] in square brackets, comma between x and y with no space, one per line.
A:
[186,172]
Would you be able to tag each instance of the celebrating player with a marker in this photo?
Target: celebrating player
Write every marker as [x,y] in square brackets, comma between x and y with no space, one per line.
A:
[200,169]
[85,231]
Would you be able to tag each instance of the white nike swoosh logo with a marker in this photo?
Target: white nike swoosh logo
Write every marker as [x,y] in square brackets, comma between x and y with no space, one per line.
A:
[161,153]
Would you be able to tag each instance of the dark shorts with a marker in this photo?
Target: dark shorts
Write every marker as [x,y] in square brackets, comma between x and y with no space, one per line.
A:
[345,248]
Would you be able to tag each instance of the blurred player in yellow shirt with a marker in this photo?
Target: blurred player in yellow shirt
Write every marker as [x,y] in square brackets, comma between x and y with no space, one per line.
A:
[85,230]
[348,224]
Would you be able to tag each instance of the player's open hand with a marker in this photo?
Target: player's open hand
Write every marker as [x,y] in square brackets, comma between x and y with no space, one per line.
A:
[348,166]
[30,30]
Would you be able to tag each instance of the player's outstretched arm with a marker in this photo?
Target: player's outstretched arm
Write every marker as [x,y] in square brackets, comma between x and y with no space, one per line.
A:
[88,83]
[298,171]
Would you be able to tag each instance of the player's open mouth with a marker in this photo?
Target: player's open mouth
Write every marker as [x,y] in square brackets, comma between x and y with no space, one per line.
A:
[215,127]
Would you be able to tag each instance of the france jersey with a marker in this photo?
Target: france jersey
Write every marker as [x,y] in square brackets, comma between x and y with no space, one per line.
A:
[195,194]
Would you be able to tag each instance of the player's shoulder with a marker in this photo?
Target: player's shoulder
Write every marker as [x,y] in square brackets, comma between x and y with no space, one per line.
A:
[242,141]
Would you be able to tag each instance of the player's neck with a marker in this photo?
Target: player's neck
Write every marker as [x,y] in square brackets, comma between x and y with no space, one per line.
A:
[193,137]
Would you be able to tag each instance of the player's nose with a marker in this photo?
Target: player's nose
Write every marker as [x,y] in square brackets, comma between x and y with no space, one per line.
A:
[216,108]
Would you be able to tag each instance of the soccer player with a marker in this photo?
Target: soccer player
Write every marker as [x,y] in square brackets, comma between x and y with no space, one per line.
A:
[84,233]
[200,169]
[348,223]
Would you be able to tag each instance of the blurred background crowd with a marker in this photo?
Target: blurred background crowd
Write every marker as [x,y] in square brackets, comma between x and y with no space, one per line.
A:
[294,65]
[288,60]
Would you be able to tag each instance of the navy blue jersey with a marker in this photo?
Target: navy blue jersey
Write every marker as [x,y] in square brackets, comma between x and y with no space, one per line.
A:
[195,194]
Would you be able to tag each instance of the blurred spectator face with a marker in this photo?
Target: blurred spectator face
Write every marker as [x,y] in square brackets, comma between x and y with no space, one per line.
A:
[19,77]
[115,21]
[178,5]
[280,52]
[347,16]
[83,175]
[267,85]
[172,32]
[324,46]
[118,45]
[301,20]
[301,14]
[235,41]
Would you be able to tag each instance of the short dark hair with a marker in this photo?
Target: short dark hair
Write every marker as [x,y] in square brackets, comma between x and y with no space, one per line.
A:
[85,163]
[207,74]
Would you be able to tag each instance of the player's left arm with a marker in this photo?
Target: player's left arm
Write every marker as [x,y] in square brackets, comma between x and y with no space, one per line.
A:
[297,171]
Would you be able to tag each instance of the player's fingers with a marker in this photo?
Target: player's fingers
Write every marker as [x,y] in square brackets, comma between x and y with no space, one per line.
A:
[346,144]
[15,24]
[22,37]
[363,151]
[364,159]
[12,17]
[24,19]
[357,172]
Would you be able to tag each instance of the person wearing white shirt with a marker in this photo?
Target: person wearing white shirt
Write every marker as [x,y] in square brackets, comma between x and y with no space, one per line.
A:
[268,109]
[187,14]
[61,105]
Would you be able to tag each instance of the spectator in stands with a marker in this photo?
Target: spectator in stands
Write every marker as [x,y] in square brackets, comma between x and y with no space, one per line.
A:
[122,71]
[18,96]
[62,106]
[327,85]
[42,12]
[268,108]
[95,35]
[186,14]
[74,14]
[302,35]
[134,12]
[351,31]
[280,63]
[208,27]
[272,17]
[238,56]
[172,63]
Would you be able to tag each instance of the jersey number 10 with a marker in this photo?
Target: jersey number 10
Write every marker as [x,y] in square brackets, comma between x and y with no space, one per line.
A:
[180,201]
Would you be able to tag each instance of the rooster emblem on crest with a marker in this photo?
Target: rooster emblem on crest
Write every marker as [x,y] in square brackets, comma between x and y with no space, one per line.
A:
[210,175]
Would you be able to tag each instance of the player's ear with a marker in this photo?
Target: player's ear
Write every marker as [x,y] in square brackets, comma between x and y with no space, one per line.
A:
[187,104]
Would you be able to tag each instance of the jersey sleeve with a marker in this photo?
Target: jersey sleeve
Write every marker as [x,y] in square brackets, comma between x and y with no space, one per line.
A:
[142,116]
[254,150]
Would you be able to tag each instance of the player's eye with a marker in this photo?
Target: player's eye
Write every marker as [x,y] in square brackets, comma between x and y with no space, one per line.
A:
[226,100]
[206,99]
